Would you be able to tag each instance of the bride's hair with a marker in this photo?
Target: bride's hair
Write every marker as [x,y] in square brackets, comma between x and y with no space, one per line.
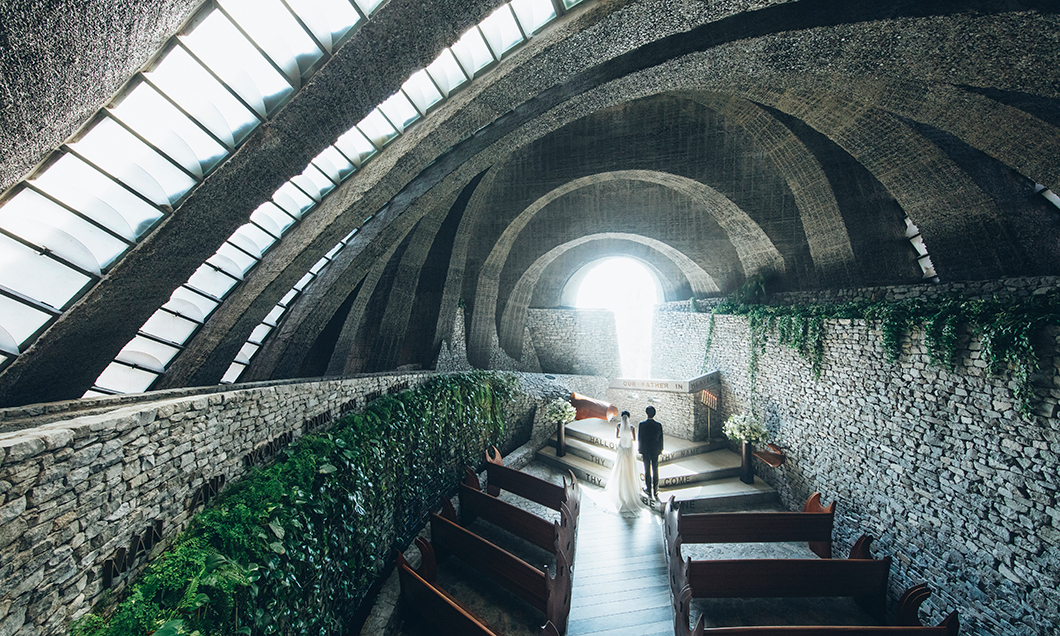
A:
[625,413]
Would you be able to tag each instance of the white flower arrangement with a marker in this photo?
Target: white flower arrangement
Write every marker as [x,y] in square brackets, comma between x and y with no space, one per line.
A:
[745,427]
[560,411]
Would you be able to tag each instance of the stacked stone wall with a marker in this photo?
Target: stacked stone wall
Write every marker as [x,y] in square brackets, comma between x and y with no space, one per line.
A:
[575,341]
[937,466]
[75,492]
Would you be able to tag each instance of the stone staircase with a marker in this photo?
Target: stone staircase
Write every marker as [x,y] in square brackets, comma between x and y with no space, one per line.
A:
[701,476]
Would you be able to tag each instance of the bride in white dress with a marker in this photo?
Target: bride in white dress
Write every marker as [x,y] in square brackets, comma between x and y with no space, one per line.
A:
[623,487]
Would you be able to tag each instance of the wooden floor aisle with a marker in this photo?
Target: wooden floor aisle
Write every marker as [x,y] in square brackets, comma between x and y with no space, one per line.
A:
[620,585]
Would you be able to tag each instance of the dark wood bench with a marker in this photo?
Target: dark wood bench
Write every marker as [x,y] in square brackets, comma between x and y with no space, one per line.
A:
[860,577]
[421,593]
[553,536]
[551,595]
[907,612]
[813,525]
[500,477]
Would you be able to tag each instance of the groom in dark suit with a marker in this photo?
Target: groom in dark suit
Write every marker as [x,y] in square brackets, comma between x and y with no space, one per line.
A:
[650,444]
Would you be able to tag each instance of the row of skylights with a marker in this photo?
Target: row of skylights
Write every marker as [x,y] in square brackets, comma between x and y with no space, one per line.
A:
[163,336]
[912,232]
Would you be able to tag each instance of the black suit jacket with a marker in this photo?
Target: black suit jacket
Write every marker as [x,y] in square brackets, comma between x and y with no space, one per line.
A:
[649,438]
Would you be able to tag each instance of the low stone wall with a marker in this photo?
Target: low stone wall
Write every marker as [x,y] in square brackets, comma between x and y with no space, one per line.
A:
[936,465]
[81,498]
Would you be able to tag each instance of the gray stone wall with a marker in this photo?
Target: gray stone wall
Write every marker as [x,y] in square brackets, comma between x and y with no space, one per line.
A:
[936,465]
[74,491]
[680,414]
[575,341]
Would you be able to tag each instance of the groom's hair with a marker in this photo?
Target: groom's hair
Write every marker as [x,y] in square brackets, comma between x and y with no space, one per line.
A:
[650,411]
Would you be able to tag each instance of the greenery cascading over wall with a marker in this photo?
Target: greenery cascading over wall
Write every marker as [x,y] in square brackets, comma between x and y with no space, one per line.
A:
[1006,330]
[294,548]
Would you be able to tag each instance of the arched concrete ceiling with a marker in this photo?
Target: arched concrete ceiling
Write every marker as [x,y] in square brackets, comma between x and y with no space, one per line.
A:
[513,320]
[814,60]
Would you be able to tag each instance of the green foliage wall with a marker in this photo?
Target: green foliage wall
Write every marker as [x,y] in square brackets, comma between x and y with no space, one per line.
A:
[1006,331]
[295,547]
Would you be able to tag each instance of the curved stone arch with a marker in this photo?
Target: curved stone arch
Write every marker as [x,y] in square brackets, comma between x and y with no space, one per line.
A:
[513,320]
[826,233]
[754,249]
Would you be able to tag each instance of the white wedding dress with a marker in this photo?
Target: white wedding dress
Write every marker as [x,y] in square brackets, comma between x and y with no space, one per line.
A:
[623,487]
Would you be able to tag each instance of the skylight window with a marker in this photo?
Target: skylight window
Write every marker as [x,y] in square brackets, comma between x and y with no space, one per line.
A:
[472,53]
[329,20]
[355,146]
[533,14]
[273,28]
[39,218]
[501,31]
[377,129]
[447,73]
[220,45]
[20,320]
[399,110]
[367,6]
[912,232]
[422,91]
[334,164]
[28,272]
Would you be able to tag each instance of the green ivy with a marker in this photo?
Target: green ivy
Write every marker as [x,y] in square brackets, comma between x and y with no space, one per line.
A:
[294,548]
[1006,331]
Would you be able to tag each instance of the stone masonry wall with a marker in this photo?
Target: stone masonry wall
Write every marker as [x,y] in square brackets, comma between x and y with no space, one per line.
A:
[74,492]
[575,341]
[937,466]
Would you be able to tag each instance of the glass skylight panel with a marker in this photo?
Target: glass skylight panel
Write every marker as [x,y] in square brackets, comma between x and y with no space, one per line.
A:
[501,30]
[246,352]
[333,251]
[158,121]
[319,265]
[567,4]
[367,6]
[399,110]
[221,46]
[75,235]
[333,164]
[276,31]
[274,315]
[314,183]
[533,14]
[376,128]
[278,220]
[259,236]
[192,87]
[288,297]
[7,344]
[1051,197]
[82,187]
[29,273]
[446,72]
[162,353]
[21,321]
[303,281]
[234,371]
[329,20]
[422,91]
[117,151]
[208,280]
[292,194]
[167,326]
[260,332]
[124,379]
[356,146]
[472,52]
[191,304]
[238,256]
[141,360]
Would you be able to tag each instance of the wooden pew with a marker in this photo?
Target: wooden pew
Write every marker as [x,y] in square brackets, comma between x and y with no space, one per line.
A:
[500,477]
[908,619]
[813,525]
[420,593]
[860,576]
[553,536]
[548,594]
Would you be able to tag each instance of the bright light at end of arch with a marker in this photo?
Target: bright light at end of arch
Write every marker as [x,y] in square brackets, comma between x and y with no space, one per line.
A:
[625,286]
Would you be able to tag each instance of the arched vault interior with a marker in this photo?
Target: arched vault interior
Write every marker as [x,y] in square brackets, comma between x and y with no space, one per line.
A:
[829,144]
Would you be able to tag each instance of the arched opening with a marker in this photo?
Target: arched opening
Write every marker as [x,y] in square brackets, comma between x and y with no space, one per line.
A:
[628,288]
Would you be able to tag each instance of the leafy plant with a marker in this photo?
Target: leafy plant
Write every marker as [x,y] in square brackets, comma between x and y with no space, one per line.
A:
[295,547]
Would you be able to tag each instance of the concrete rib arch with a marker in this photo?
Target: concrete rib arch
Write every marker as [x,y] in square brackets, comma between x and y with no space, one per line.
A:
[513,320]
[754,249]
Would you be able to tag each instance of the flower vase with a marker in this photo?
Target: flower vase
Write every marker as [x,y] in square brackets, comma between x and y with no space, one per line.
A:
[747,471]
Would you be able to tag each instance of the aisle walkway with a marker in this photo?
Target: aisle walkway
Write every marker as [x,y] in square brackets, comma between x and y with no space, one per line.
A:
[620,585]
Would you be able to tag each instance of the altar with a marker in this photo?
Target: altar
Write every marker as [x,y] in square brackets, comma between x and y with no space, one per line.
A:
[685,408]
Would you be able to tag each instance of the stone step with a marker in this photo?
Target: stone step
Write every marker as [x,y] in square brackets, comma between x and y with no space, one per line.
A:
[596,467]
[601,434]
[724,492]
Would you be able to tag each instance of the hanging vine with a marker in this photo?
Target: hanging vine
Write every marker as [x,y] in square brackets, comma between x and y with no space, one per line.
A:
[1006,331]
